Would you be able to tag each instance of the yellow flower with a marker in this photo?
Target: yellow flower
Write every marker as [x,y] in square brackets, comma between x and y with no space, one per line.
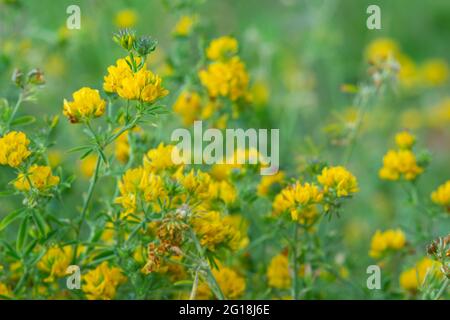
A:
[102,282]
[405,140]
[160,158]
[240,224]
[213,230]
[226,78]
[389,240]
[188,106]
[5,290]
[411,279]
[184,26]
[87,165]
[435,72]
[125,18]
[14,148]
[142,85]
[136,182]
[338,179]
[86,104]
[381,49]
[230,282]
[223,190]
[397,164]
[117,73]
[278,272]
[55,262]
[299,201]
[268,181]
[441,195]
[222,48]
[40,176]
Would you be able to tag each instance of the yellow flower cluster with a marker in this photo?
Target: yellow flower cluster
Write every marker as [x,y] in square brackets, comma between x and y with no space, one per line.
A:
[86,104]
[160,158]
[384,241]
[142,85]
[226,79]
[299,200]
[55,262]
[411,279]
[405,140]
[401,163]
[441,195]
[226,76]
[433,72]
[5,290]
[101,283]
[230,282]
[139,182]
[125,18]
[222,48]
[278,272]
[188,106]
[214,230]
[338,180]
[40,177]
[14,149]
[184,26]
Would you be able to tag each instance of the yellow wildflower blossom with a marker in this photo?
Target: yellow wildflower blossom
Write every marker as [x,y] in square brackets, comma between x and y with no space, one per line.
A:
[5,290]
[188,106]
[338,179]
[14,148]
[278,272]
[398,164]
[102,282]
[116,73]
[213,230]
[227,79]
[160,158]
[435,72]
[184,26]
[86,104]
[40,177]
[381,49]
[387,240]
[222,48]
[299,201]
[411,279]
[230,282]
[441,195]
[126,18]
[405,140]
[55,262]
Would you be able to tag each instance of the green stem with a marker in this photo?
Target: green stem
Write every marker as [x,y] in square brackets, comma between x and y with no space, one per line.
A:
[194,287]
[212,280]
[442,289]
[294,262]
[87,200]
[15,109]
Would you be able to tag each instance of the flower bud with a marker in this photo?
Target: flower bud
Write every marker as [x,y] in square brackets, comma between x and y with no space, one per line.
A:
[125,38]
[145,45]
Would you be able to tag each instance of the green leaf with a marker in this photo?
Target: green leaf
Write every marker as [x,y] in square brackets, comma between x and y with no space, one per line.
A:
[9,250]
[40,222]
[23,121]
[10,218]
[21,235]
